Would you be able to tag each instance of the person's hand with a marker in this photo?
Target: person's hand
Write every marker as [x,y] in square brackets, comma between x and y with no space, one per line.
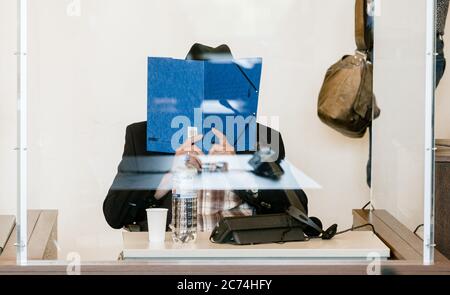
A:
[223,147]
[192,152]
[190,147]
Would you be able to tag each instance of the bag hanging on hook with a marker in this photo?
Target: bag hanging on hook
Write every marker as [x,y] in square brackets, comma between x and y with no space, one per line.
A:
[346,100]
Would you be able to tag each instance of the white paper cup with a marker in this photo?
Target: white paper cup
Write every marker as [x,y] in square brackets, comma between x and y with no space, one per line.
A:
[157,219]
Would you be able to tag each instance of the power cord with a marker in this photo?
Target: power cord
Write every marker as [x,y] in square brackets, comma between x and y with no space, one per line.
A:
[350,229]
[357,227]
[417,229]
[365,206]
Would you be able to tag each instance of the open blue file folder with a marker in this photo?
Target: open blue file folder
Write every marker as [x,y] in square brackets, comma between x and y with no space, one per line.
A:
[195,96]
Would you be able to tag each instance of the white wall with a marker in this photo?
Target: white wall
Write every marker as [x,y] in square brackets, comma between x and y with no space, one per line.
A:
[7,107]
[88,81]
[398,178]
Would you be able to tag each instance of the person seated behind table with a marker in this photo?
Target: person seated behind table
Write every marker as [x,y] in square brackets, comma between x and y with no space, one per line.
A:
[127,208]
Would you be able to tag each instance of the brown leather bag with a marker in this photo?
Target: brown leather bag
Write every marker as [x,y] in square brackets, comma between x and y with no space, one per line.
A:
[346,100]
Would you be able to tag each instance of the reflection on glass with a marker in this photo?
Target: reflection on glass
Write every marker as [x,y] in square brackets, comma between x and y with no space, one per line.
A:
[206,107]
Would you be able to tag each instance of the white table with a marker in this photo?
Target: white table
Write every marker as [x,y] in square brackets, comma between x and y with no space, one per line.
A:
[358,245]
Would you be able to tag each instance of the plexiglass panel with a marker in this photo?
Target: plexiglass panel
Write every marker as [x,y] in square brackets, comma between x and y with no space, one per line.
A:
[8,110]
[90,94]
[399,163]
[88,63]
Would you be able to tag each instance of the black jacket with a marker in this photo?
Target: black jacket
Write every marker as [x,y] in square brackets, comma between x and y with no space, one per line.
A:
[126,207]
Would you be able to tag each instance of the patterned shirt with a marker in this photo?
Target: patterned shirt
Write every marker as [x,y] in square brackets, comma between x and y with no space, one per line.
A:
[441,15]
[213,205]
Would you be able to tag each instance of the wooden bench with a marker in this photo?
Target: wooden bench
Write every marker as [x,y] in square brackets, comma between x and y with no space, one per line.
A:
[7,223]
[42,234]
[404,244]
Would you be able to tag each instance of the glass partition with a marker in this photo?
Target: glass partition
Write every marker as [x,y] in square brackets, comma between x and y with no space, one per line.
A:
[399,133]
[403,160]
[101,147]
[8,119]
[8,108]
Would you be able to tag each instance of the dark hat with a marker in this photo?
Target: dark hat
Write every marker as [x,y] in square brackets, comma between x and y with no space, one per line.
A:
[202,52]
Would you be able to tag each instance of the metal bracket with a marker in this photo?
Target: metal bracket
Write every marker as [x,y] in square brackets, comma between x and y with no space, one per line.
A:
[19,246]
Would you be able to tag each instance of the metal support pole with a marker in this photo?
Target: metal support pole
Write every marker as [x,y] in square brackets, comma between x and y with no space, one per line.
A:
[22,132]
[428,245]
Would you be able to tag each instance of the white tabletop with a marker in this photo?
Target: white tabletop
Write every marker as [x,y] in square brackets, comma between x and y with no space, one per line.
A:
[357,245]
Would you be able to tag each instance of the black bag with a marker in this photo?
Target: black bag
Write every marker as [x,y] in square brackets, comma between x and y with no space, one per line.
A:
[282,214]
[258,229]
[293,224]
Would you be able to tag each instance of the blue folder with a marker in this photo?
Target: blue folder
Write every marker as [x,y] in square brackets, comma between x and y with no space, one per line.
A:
[201,95]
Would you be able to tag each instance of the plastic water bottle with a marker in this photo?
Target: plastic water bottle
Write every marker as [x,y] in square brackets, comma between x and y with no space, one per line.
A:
[184,206]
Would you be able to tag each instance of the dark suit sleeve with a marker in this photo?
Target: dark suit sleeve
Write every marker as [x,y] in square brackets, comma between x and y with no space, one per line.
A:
[125,207]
